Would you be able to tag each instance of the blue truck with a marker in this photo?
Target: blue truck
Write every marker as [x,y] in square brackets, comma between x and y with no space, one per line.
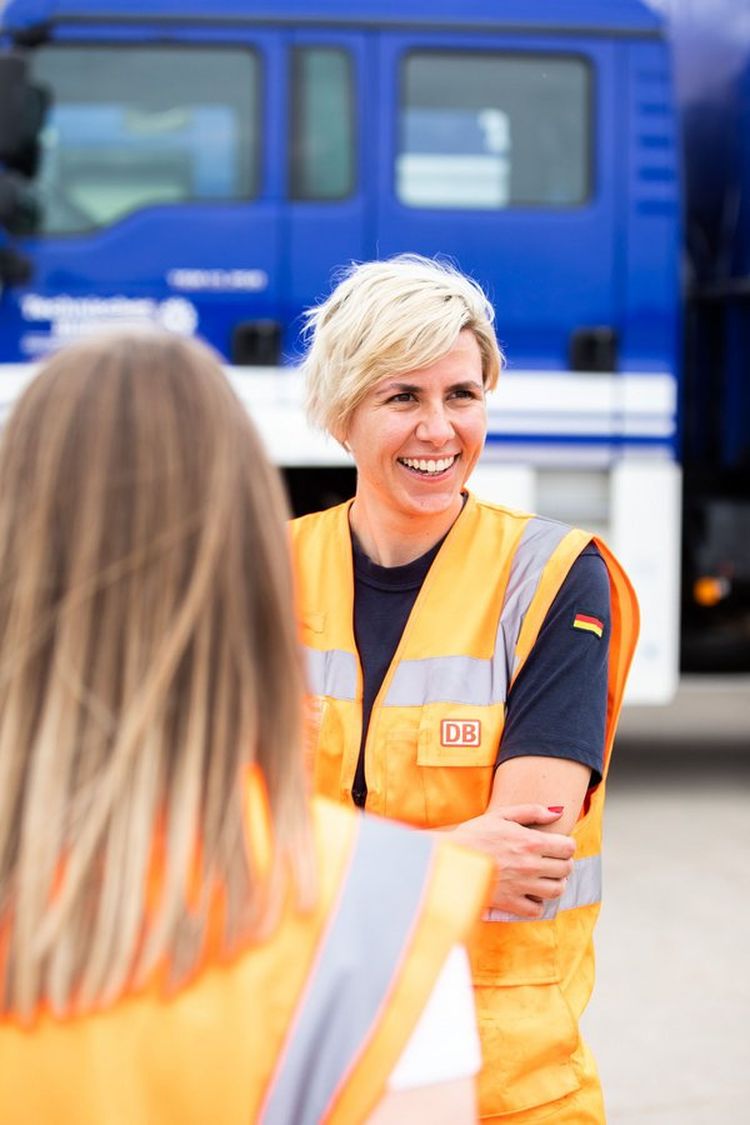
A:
[207,168]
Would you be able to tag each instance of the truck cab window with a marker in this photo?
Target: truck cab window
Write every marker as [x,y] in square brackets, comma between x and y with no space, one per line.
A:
[137,126]
[322,124]
[488,131]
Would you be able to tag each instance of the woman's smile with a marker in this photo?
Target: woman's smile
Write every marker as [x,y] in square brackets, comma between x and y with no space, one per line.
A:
[428,467]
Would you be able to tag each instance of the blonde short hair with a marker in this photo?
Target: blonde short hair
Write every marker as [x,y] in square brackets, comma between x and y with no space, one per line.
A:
[385,318]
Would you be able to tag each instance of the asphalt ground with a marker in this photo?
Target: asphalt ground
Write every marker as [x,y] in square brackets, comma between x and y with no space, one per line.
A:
[670,1018]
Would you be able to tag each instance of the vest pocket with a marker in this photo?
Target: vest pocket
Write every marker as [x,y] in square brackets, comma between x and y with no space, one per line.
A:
[459,735]
[324,738]
[529,1034]
[456,752]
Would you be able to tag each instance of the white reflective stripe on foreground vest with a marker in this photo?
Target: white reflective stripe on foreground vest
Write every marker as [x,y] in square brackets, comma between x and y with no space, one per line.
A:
[355,966]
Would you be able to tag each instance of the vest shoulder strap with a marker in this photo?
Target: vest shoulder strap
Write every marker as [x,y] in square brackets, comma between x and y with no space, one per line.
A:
[541,564]
[403,903]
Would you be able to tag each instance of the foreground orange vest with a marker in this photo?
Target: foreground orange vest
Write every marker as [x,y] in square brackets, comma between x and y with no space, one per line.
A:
[431,749]
[303,1028]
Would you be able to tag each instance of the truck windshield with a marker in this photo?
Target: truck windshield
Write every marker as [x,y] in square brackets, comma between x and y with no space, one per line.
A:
[136,126]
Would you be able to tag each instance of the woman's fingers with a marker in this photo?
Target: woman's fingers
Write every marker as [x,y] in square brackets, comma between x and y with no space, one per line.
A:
[554,868]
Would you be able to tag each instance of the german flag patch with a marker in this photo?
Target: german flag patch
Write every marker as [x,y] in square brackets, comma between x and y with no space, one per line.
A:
[589,624]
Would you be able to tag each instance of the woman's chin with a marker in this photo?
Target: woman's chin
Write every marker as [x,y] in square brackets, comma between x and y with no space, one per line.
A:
[425,503]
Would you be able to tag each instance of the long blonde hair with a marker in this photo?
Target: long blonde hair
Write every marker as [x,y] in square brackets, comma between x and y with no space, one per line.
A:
[147,655]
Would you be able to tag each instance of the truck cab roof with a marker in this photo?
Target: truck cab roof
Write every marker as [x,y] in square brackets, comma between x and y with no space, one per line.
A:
[625,17]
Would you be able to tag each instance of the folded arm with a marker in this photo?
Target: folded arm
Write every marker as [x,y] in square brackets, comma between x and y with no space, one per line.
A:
[525,834]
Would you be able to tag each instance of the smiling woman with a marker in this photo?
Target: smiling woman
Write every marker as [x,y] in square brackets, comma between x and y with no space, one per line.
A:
[453,686]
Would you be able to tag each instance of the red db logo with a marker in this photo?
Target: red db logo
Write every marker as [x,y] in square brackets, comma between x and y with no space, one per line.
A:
[460,732]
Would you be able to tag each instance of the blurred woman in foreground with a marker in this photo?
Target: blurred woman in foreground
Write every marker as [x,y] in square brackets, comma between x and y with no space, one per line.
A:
[183,937]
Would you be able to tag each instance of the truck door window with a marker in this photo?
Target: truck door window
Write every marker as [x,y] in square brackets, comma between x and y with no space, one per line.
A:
[322,124]
[486,131]
[136,126]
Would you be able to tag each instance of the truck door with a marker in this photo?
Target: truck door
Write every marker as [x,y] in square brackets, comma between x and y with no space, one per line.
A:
[496,155]
[160,190]
[331,126]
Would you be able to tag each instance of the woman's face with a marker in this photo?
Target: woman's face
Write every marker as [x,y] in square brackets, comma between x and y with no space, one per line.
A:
[416,437]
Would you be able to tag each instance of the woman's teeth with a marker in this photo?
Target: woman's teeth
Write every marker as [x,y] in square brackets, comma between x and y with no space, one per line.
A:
[424,466]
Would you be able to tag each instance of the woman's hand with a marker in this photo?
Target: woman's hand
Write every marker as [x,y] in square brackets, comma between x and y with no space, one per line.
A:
[532,866]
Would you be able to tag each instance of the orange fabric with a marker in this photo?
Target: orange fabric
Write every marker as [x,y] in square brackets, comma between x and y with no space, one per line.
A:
[209,1052]
[410,773]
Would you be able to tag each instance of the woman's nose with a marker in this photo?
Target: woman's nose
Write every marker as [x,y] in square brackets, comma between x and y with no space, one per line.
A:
[434,426]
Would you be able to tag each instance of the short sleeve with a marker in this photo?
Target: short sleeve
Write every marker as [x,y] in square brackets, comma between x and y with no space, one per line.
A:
[557,706]
[444,1045]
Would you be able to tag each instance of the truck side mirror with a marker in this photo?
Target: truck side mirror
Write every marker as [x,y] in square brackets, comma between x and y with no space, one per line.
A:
[23,109]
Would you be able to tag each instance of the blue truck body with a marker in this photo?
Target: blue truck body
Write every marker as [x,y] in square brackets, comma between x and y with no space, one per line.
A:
[210,167]
[606,259]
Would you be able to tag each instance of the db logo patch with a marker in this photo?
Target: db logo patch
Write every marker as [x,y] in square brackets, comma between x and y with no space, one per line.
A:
[460,732]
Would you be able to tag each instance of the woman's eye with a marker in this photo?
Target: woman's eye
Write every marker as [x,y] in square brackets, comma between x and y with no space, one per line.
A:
[464,392]
[404,396]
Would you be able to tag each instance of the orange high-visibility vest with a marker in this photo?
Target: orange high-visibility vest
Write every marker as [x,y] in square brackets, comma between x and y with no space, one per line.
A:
[431,749]
[304,1027]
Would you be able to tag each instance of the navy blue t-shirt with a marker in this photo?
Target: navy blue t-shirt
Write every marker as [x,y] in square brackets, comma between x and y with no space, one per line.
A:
[558,704]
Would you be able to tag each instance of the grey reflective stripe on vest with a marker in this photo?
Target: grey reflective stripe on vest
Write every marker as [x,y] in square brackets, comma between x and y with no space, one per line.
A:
[444,679]
[331,672]
[466,679]
[584,889]
[539,540]
[359,956]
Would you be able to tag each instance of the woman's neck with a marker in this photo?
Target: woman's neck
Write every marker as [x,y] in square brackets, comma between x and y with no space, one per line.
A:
[390,539]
